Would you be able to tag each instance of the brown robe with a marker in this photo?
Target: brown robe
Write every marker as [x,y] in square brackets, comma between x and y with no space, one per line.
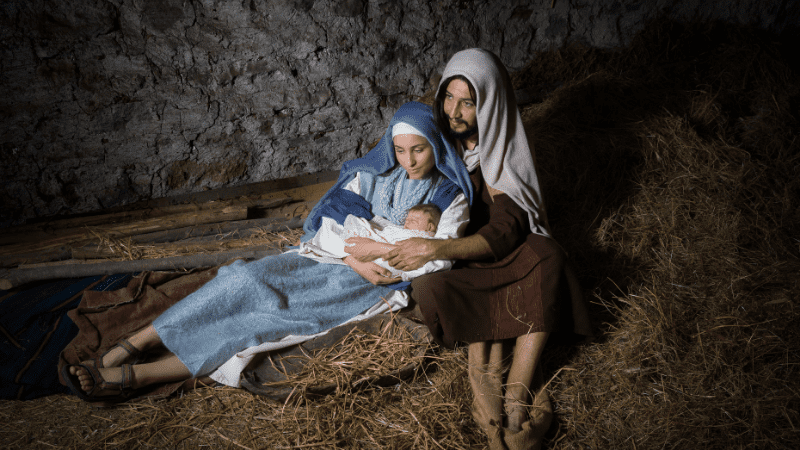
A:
[527,286]
[105,318]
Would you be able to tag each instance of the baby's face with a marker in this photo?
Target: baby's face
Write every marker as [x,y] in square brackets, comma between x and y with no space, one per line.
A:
[419,220]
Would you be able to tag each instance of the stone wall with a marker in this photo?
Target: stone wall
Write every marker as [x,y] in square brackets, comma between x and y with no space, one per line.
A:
[106,102]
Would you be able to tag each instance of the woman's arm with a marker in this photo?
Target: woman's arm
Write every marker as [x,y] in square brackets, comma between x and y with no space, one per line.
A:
[371,272]
[365,249]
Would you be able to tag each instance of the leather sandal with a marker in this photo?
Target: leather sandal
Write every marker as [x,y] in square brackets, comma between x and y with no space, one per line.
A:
[135,353]
[121,391]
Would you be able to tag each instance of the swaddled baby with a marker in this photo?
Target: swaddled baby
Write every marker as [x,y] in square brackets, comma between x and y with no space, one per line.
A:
[422,221]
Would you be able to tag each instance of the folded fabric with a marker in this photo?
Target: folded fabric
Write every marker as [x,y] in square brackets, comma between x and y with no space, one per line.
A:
[339,204]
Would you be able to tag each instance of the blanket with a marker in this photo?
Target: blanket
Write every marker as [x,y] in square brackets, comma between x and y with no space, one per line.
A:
[35,328]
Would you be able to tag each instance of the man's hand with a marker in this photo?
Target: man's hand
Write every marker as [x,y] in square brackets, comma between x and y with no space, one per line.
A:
[371,272]
[365,249]
[413,253]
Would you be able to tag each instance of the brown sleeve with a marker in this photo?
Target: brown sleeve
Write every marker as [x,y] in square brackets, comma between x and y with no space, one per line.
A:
[507,226]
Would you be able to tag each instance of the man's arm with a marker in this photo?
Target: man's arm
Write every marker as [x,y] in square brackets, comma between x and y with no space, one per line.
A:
[413,253]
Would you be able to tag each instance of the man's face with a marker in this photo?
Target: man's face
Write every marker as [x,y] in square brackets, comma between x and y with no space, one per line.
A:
[460,109]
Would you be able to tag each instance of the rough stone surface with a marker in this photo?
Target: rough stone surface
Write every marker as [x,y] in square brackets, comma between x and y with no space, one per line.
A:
[105,102]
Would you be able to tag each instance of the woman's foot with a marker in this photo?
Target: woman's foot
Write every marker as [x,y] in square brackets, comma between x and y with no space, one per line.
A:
[114,378]
[122,353]
[100,385]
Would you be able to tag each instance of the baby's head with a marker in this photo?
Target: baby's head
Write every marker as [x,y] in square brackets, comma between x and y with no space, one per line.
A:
[423,217]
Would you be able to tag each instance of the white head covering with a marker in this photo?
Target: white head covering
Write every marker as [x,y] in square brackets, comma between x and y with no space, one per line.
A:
[506,158]
[404,128]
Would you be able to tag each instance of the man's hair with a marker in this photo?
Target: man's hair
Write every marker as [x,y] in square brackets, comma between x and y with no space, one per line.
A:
[430,209]
[438,106]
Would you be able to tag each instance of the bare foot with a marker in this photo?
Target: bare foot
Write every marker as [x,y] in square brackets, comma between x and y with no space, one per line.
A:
[516,415]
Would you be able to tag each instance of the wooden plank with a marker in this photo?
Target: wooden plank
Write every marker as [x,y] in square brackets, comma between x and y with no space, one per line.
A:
[238,227]
[167,248]
[17,277]
[58,253]
[46,230]
[76,235]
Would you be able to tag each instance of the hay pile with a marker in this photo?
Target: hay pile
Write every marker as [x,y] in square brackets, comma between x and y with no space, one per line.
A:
[670,175]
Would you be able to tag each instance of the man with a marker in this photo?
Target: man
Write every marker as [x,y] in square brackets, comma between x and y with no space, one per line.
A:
[513,283]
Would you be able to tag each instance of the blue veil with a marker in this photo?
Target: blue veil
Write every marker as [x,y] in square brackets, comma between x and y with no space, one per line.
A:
[381,159]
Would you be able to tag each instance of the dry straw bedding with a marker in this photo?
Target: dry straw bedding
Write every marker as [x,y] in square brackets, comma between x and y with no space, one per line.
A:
[669,169]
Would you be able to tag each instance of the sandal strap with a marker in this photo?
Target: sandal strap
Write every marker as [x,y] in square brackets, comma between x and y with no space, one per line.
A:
[128,347]
[124,386]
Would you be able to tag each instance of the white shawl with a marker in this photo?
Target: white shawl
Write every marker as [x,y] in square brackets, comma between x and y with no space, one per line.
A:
[506,158]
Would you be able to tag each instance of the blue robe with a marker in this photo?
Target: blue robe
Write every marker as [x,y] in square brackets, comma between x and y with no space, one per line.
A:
[248,304]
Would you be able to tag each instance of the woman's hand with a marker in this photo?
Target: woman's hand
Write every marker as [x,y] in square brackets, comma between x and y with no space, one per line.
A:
[371,272]
[413,253]
[365,249]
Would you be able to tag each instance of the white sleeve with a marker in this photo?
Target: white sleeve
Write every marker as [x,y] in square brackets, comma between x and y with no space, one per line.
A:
[354,185]
[327,245]
[454,219]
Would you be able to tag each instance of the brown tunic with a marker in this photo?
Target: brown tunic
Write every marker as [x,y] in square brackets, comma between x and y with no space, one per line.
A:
[527,286]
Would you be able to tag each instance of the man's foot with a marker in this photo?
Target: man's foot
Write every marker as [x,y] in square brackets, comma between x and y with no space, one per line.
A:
[516,415]
[536,422]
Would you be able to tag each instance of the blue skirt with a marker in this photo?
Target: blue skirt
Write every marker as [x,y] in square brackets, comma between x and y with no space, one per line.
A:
[248,304]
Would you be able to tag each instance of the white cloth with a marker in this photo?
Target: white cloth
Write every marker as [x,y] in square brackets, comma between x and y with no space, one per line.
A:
[505,156]
[452,223]
[404,128]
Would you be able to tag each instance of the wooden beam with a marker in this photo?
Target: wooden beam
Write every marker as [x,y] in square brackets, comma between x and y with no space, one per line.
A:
[77,235]
[13,278]
[90,252]
[46,230]
[242,228]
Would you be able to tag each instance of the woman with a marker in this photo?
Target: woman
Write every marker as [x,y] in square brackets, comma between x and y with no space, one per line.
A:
[251,303]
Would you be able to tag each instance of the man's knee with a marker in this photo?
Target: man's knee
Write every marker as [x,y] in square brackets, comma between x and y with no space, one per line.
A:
[425,288]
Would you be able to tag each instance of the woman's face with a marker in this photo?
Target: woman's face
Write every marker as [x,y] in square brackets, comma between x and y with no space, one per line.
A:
[415,154]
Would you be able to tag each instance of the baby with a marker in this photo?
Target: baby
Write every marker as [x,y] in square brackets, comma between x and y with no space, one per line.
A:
[424,217]
[422,221]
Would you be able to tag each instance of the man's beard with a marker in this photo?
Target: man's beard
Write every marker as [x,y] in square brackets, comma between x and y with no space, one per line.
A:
[460,136]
